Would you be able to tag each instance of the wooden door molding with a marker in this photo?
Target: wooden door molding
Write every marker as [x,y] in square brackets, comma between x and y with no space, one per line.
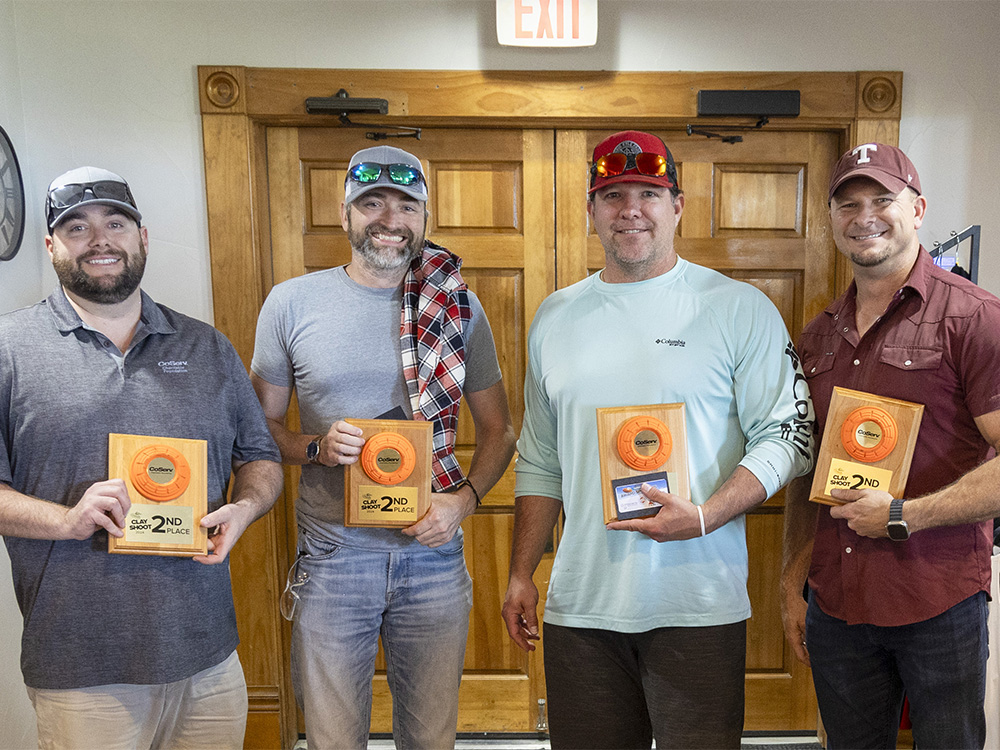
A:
[542,98]
[238,104]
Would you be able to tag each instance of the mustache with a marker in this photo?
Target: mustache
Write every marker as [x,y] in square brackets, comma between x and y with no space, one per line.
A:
[90,254]
[373,229]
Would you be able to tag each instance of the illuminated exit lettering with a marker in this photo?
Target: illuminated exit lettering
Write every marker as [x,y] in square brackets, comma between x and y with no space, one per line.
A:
[547,23]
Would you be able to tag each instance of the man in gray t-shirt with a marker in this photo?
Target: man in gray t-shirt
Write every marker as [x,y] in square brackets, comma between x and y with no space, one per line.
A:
[395,332]
[126,647]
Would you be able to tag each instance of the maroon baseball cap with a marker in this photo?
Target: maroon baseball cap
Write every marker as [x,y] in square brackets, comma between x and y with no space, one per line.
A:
[632,156]
[887,165]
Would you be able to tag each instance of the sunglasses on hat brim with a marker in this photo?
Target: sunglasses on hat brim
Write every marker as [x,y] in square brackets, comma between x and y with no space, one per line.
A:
[366,173]
[612,165]
[69,195]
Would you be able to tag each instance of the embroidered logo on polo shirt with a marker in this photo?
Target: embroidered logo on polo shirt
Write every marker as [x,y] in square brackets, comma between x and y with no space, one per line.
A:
[173,365]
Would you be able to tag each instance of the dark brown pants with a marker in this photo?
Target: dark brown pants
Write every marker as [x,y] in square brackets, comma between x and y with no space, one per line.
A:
[683,686]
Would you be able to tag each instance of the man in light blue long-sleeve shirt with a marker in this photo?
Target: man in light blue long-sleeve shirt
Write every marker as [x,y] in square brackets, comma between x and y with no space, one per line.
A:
[646,618]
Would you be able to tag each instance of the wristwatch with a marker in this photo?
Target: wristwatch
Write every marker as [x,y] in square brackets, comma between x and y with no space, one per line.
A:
[897,529]
[312,450]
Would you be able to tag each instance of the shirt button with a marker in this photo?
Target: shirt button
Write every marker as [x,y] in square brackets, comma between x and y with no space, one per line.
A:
[105,343]
[845,329]
[813,370]
[857,362]
[836,317]
[848,550]
[908,362]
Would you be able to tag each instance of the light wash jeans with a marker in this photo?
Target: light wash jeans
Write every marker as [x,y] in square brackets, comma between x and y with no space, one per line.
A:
[418,599]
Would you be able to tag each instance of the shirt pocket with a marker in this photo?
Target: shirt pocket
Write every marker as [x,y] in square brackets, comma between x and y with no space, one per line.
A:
[911,358]
[817,364]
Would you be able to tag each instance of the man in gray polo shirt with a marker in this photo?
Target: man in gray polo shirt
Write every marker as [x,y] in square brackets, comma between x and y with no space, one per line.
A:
[394,332]
[121,651]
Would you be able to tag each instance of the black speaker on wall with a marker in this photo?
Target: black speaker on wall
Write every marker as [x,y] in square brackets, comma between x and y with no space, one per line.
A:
[747,103]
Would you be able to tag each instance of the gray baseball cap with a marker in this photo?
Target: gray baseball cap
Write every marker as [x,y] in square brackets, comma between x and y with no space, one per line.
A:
[84,186]
[385,167]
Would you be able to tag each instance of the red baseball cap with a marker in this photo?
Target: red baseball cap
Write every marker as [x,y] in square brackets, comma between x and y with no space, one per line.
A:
[632,156]
[887,165]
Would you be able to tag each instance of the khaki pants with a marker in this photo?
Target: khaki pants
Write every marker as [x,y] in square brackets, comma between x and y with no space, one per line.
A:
[206,711]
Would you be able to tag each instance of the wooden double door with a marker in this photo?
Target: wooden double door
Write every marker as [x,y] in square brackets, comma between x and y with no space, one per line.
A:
[511,203]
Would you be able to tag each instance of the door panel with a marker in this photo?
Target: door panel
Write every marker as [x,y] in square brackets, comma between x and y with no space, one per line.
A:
[754,210]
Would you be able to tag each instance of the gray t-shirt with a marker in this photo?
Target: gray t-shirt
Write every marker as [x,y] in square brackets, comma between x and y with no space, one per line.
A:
[337,343]
[92,618]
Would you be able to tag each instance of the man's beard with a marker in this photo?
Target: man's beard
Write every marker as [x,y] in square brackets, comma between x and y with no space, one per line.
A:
[380,258]
[105,290]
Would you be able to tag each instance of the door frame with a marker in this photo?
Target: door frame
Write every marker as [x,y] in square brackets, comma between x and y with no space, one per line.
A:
[239,103]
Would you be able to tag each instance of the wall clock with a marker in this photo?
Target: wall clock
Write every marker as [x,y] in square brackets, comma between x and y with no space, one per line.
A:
[12,206]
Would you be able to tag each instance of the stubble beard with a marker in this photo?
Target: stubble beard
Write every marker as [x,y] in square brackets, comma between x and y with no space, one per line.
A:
[870,261]
[105,290]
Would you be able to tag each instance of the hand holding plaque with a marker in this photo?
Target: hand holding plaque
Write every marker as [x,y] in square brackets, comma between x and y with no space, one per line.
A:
[390,485]
[867,443]
[641,444]
[167,482]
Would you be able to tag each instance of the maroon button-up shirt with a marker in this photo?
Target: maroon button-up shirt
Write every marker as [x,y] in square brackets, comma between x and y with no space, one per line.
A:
[938,344]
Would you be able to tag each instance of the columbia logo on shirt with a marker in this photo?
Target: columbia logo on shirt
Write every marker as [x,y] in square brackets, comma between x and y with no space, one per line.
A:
[672,342]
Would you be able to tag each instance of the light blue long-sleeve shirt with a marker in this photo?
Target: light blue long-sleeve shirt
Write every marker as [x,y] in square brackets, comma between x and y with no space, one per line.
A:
[690,335]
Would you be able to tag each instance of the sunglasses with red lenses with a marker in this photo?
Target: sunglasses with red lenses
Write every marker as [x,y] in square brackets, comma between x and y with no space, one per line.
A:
[612,165]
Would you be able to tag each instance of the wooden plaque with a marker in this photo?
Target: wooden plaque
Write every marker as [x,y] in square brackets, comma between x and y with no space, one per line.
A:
[636,444]
[167,481]
[868,442]
[390,485]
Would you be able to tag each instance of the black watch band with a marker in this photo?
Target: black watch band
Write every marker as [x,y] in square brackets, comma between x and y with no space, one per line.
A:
[897,528]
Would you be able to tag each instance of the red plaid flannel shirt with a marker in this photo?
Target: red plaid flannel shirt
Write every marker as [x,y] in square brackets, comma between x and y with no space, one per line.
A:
[432,332]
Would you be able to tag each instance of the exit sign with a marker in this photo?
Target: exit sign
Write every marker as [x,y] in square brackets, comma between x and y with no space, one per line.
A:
[547,23]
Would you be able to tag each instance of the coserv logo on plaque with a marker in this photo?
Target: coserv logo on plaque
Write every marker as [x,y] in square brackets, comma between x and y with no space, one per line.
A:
[390,485]
[867,443]
[167,482]
[640,444]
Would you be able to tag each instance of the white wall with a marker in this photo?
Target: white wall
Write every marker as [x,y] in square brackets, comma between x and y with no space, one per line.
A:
[114,84]
[20,280]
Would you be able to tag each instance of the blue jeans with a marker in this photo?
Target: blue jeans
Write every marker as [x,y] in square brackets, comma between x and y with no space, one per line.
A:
[418,599]
[862,671]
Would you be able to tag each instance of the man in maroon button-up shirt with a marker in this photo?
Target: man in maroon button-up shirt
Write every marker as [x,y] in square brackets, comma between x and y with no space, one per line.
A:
[907,614]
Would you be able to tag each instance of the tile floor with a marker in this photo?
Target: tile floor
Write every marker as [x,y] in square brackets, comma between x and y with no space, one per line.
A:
[499,743]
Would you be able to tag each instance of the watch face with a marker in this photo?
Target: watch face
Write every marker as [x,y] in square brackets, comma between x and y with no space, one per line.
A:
[898,531]
[11,200]
[312,450]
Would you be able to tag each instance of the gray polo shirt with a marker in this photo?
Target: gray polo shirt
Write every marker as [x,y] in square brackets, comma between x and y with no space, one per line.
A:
[91,618]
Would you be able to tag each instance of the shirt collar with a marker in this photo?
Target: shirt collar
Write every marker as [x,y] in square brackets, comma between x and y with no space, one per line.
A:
[917,281]
[151,317]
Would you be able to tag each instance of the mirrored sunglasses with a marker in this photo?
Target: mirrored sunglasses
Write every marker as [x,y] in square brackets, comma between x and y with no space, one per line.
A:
[70,195]
[612,165]
[401,174]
